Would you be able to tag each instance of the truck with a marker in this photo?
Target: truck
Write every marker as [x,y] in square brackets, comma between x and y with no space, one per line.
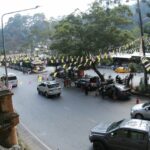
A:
[126,134]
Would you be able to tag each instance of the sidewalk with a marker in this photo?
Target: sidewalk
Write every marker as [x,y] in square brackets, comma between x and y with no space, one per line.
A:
[29,140]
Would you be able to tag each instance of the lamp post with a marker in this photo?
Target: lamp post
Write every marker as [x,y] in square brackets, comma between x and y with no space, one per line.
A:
[3,40]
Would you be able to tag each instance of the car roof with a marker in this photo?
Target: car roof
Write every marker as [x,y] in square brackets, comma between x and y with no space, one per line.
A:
[50,82]
[137,124]
[121,87]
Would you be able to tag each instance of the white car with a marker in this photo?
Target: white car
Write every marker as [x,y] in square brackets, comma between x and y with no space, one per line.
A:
[49,88]
[12,79]
[141,111]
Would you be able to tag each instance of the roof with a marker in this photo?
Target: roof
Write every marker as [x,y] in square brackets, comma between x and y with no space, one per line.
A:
[129,56]
[136,124]
[50,82]
[122,87]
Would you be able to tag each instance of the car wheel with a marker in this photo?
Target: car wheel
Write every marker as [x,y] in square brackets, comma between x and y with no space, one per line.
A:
[46,94]
[39,92]
[138,116]
[98,146]
[58,95]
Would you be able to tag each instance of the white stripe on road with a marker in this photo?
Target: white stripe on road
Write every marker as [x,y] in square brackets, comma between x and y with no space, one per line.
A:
[48,148]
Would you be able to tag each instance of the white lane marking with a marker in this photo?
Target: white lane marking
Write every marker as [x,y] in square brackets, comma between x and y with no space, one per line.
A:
[48,148]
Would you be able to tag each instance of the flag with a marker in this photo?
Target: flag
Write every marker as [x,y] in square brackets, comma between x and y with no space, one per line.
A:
[146,63]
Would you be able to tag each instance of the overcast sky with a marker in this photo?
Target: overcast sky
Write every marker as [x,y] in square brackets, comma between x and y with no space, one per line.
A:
[51,8]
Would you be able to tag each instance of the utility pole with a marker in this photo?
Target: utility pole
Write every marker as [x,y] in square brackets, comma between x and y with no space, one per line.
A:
[142,41]
[3,39]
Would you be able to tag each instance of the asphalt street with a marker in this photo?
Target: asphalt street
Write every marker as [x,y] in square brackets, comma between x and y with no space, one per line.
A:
[64,123]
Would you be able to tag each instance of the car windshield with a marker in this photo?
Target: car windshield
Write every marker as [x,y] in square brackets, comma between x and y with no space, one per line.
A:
[10,78]
[53,85]
[146,104]
[114,125]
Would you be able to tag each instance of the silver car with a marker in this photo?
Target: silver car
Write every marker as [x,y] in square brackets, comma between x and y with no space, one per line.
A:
[141,111]
[49,88]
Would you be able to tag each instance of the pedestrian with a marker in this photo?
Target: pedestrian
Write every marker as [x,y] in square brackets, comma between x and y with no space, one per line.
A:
[86,89]
[103,90]
[39,78]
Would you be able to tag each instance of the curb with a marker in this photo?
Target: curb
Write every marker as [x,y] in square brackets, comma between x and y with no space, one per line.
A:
[31,141]
[140,94]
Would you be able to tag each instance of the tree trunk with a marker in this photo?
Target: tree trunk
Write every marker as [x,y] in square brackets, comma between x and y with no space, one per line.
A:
[98,73]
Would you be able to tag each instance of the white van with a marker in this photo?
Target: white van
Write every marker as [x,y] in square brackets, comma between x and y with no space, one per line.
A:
[12,79]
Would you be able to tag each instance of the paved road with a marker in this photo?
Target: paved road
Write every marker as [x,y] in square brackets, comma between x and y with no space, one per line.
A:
[64,123]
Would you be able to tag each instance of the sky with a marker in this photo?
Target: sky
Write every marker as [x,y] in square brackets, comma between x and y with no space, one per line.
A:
[51,8]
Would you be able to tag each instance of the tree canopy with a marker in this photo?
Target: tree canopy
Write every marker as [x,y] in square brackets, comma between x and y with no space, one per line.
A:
[93,31]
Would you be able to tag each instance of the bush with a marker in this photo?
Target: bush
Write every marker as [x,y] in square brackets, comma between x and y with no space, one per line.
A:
[134,67]
[142,88]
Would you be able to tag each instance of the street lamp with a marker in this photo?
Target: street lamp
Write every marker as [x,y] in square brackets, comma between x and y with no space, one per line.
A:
[3,40]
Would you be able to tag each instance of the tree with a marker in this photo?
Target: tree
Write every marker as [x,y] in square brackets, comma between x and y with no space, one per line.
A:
[26,32]
[94,30]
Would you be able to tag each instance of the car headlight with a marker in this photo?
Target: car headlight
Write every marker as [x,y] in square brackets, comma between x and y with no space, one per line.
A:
[132,111]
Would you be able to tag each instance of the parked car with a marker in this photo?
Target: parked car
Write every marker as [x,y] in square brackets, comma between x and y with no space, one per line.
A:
[49,88]
[12,79]
[127,134]
[91,83]
[141,111]
[81,83]
[115,91]
[122,70]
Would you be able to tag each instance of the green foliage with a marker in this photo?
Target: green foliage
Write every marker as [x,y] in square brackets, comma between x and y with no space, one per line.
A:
[142,89]
[147,28]
[135,67]
[26,32]
[106,62]
[89,32]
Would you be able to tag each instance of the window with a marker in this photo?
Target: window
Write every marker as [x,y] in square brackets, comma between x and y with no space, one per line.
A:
[121,133]
[42,84]
[12,78]
[135,135]
[53,85]
[9,78]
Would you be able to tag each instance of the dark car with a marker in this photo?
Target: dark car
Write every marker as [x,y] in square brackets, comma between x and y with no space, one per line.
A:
[115,91]
[127,134]
[91,83]
[81,83]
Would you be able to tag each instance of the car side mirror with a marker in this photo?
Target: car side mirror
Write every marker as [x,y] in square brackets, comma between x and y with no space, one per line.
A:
[146,109]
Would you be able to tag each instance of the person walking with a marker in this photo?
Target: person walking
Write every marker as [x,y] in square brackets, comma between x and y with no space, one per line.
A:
[103,90]
[86,89]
